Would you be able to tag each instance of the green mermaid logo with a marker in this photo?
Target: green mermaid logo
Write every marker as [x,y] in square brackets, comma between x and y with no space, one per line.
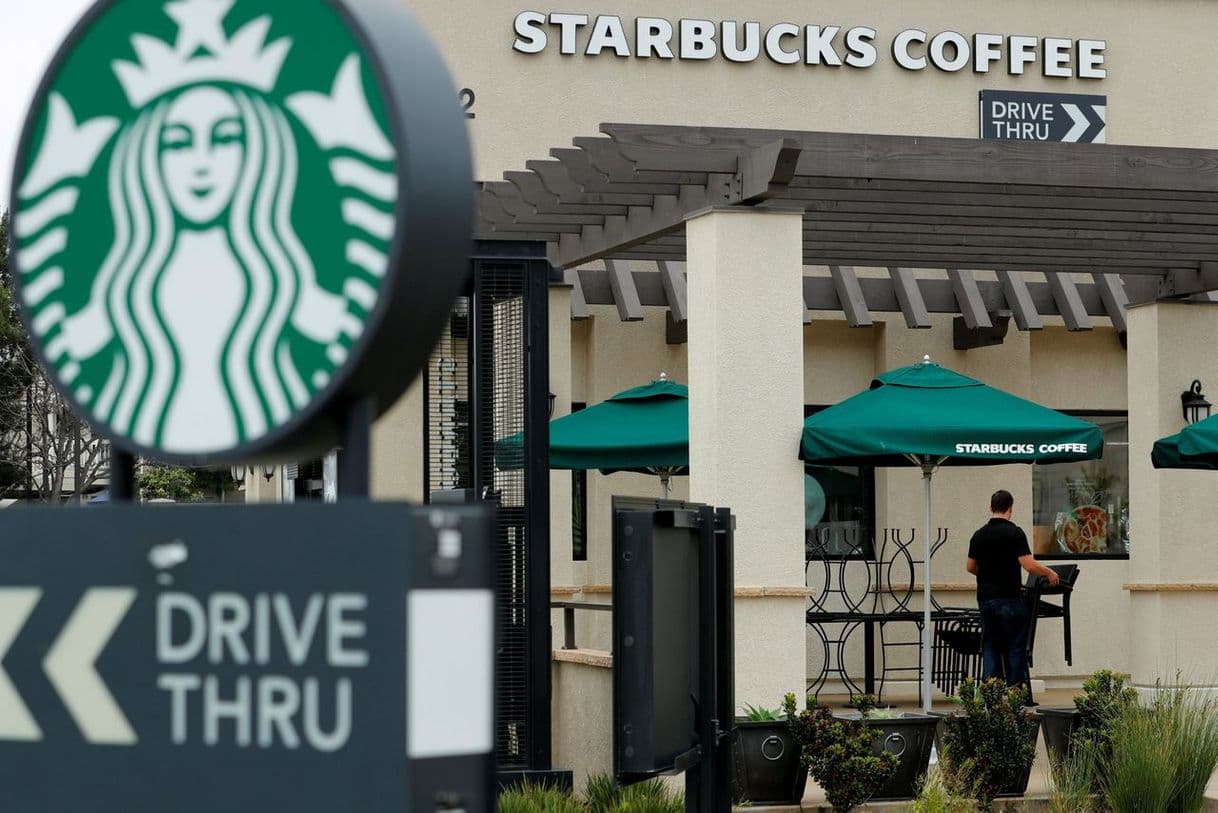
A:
[204,216]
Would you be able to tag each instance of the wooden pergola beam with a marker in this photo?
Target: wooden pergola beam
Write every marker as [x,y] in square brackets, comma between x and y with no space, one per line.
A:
[909,294]
[625,294]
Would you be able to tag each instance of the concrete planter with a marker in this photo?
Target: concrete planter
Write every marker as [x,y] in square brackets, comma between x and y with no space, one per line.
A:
[910,737]
[1059,725]
[766,768]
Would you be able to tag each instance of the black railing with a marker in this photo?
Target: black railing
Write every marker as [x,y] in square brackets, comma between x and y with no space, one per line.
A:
[568,617]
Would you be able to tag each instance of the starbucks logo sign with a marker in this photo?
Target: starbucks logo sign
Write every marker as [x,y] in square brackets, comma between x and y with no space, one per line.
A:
[232,217]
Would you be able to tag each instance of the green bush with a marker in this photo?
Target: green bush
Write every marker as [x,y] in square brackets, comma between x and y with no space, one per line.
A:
[839,754]
[988,748]
[602,795]
[1138,773]
[934,796]
[1105,697]
[533,798]
[760,714]
[1162,757]
[1072,780]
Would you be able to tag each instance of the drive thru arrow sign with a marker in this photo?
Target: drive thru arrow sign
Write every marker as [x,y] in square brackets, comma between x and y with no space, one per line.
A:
[202,658]
[1020,116]
[69,665]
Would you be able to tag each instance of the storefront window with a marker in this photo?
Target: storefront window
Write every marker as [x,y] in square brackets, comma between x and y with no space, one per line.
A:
[1082,509]
[838,512]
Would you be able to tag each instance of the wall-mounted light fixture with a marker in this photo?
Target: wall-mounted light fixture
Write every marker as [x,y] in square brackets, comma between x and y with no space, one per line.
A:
[1194,405]
[238,472]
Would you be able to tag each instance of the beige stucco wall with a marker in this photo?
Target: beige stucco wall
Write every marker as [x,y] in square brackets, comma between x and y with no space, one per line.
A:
[1173,563]
[1158,61]
[1159,72]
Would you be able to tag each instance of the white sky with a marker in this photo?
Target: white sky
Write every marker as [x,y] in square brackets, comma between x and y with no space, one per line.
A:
[30,32]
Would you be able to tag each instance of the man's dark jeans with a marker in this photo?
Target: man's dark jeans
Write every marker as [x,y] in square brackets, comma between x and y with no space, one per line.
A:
[1004,640]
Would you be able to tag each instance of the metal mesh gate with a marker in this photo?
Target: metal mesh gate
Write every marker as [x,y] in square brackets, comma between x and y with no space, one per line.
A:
[488,380]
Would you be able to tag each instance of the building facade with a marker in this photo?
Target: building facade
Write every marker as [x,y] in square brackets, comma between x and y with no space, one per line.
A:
[535,77]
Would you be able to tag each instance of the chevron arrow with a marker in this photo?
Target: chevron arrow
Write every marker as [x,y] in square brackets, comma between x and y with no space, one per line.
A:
[1081,122]
[16,722]
[70,665]
[1100,112]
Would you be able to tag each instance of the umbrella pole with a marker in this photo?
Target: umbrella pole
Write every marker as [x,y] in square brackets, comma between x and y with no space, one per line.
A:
[927,471]
[664,484]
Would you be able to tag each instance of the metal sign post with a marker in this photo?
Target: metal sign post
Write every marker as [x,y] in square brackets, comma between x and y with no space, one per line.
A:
[673,679]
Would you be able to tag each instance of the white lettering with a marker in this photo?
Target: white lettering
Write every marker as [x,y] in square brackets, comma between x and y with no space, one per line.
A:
[1057,57]
[733,50]
[818,48]
[1021,52]
[698,39]
[773,44]
[215,709]
[530,36]
[900,49]
[178,687]
[262,628]
[568,25]
[986,51]
[298,640]
[860,43]
[608,32]
[166,650]
[228,615]
[1091,59]
[338,736]
[278,702]
[339,629]
[960,49]
[653,35]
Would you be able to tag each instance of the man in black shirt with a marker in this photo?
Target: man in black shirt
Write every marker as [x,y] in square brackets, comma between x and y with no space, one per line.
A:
[996,553]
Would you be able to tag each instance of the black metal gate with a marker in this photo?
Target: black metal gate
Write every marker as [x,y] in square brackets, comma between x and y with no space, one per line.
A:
[488,379]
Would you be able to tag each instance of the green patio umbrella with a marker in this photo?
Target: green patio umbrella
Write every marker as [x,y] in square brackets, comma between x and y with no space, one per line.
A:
[1193,447]
[928,416]
[644,429]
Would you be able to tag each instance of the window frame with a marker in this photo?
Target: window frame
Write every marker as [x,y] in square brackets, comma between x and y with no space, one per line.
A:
[1089,557]
[867,475]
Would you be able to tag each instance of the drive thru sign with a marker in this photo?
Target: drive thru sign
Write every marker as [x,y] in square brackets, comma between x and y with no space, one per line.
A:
[203,658]
[1019,116]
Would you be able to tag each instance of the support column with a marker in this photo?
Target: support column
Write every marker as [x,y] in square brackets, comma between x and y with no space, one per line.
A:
[746,382]
[397,448]
[561,565]
[1173,566]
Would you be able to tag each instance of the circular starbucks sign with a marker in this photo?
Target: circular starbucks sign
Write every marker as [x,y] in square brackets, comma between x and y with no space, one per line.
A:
[234,219]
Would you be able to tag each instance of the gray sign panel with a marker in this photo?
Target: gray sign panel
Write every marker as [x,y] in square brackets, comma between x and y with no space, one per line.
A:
[1019,116]
[244,659]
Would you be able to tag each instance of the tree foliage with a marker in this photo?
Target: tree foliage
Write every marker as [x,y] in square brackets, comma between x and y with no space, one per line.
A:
[46,450]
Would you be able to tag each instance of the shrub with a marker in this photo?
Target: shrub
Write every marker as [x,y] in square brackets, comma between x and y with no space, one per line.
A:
[1138,774]
[934,797]
[839,754]
[1190,721]
[760,714]
[1072,779]
[1162,757]
[1105,697]
[603,795]
[988,749]
[533,798]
